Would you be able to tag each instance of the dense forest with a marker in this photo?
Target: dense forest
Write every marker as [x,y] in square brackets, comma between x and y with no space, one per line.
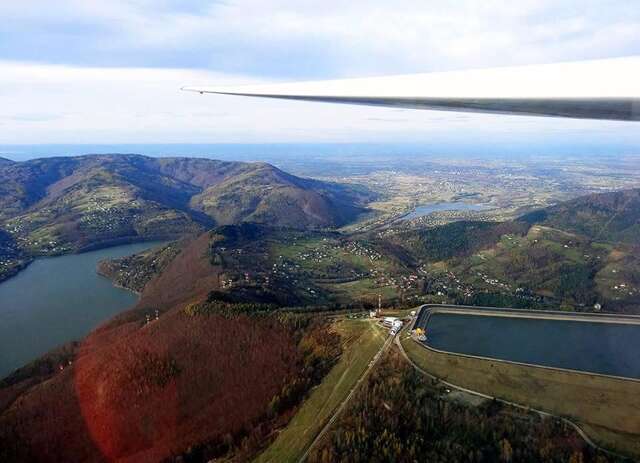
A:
[176,388]
[454,239]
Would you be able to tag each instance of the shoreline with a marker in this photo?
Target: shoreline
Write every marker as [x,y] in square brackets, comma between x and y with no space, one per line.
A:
[113,282]
[42,359]
[17,270]
[88,248]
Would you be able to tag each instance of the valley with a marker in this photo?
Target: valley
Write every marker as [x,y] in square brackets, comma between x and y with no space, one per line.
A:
[55,206]
[520,263]
[510,185]
[249,231]
[251,253]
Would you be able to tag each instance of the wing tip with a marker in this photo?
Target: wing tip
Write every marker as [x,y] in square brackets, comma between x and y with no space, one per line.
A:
[201,90]
[187,88]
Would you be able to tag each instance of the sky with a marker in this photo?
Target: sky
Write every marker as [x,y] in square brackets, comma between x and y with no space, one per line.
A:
[89,71]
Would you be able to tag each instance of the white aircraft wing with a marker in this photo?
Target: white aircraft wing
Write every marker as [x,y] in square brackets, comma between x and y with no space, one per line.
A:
[602,89]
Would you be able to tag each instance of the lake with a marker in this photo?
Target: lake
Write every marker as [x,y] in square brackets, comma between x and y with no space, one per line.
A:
[607,348]
[56,300]
[427,209]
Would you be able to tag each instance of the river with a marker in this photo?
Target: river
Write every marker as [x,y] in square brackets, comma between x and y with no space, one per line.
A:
[606,348]
[56,300]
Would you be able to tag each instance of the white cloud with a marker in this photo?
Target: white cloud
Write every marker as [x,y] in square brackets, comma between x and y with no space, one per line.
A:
[123,61]
[301,38]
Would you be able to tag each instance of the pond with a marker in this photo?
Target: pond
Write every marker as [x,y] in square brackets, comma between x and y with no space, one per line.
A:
[56,300]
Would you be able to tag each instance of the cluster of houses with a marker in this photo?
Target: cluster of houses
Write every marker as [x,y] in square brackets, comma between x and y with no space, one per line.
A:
[439,218]
[324,251]
[493,281]
[110,219]
[26,241]
[316,255]
[623,288]
[400,282]
[358,249]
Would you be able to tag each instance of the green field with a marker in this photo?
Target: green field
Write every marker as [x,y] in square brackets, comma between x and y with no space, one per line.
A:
[362,290]
[361,340]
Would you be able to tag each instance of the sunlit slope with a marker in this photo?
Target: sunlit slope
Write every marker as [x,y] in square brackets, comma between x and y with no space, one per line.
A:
[576,254]
[57,205]
[610,217]
[265,194]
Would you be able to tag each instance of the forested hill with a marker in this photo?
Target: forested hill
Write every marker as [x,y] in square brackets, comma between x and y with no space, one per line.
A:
[611,217]
[62,204]
[573,255]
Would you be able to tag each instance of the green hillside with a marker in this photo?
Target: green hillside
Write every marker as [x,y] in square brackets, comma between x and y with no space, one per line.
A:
[69,204]
[573,255]
[611,217]
[515,263]
[265,194]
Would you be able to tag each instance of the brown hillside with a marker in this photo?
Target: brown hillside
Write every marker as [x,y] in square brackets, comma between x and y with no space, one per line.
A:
[140,392]
[160,388]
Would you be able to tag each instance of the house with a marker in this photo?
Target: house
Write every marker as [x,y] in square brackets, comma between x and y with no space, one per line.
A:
[389,321]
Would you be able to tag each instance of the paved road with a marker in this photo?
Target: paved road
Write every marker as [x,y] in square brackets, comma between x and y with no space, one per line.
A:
[344,403]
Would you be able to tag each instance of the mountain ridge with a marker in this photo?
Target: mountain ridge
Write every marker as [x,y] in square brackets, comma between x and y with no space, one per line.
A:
[610,216]
[58,205]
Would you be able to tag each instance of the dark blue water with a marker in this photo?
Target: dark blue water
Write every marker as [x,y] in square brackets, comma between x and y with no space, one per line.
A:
[605,348]
[427,209]
[56,300]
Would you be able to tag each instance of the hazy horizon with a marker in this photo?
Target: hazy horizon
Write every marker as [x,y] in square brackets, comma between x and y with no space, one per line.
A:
[86,72]
[264,151]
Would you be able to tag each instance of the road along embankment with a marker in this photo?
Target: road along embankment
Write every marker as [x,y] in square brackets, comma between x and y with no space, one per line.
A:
[605,406]
[605,344]
[428,310]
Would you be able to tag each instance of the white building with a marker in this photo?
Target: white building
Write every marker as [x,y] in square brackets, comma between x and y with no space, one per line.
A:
[389,321]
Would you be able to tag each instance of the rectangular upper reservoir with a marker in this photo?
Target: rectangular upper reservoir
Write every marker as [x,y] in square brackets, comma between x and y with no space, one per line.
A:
[592,344]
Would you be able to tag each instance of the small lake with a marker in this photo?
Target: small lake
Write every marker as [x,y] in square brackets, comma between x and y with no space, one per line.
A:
[56,300]
[606,348]
[427,209]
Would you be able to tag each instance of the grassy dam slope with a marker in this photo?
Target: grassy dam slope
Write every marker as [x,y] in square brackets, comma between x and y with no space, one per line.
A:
[607,408]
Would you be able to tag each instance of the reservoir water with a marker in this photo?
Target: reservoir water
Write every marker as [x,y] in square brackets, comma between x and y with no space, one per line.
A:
[56,300]
[427,209]
[607,348]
